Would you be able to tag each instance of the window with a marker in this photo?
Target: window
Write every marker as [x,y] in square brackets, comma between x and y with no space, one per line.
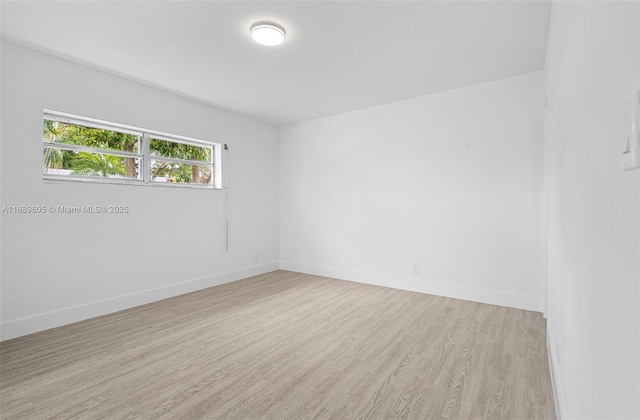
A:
[172,161]
[83,149]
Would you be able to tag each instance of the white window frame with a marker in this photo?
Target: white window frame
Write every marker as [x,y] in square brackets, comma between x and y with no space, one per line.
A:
[143,154]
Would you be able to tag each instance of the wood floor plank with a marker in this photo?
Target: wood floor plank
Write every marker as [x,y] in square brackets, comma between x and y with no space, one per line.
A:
[285,345]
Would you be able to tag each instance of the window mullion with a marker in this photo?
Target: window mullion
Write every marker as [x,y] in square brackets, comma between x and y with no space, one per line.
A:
[87,149]
[146,161]
[182,161]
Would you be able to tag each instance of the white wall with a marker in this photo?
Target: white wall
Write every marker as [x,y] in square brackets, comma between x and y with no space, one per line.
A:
[593,63]
[451,182]
[60,268]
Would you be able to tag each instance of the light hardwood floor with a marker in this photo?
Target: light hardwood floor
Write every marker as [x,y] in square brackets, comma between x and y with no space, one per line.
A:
[285,345]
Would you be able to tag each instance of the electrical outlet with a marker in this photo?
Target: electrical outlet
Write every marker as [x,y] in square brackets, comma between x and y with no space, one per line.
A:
[415,269]
[256,257]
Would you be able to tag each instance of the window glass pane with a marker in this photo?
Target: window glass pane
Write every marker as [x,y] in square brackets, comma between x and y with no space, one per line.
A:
[162,171]
[170,149]
[96,150]
[96,165]
[60,132]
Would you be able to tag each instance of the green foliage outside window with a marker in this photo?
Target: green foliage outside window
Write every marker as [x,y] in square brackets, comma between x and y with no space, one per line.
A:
[110,166]
[180,172]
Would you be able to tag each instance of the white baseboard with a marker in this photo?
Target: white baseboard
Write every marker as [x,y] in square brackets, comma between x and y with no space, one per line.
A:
[45,321]
[555,378]
[493,297]
[40,322]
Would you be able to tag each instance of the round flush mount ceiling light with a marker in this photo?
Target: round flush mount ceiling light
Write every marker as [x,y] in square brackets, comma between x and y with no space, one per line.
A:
[267,33]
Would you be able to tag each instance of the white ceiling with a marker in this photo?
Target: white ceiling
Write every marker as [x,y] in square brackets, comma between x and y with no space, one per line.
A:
[339,56]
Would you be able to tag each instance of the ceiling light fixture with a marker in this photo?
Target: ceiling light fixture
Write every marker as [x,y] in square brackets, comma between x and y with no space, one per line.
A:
[267,33]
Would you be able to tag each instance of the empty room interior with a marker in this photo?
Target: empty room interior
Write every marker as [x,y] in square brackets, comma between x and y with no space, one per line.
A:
[320,209]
